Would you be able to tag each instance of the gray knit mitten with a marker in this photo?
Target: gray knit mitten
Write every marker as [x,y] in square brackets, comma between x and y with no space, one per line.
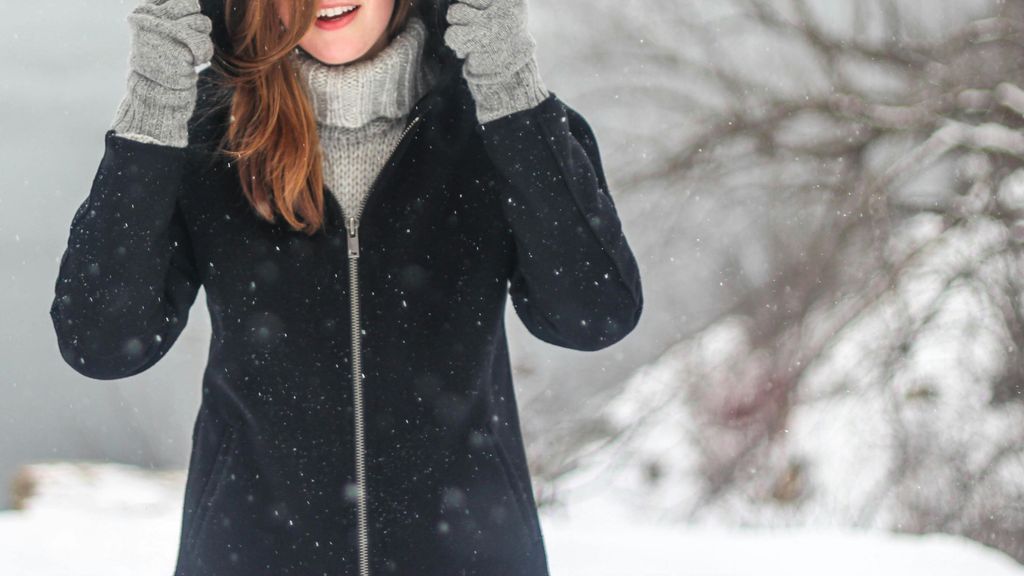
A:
[169,39]
[500,63]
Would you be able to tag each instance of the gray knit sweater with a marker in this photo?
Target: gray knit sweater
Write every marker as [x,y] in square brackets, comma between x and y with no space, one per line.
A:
[361,109]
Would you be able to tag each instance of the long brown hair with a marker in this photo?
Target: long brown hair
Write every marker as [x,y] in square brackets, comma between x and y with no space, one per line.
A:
[272,134]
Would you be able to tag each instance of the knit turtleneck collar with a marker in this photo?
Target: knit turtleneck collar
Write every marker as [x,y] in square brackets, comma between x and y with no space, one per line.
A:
[385,86]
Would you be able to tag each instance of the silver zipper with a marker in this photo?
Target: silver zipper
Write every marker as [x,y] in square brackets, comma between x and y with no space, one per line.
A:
[352,227]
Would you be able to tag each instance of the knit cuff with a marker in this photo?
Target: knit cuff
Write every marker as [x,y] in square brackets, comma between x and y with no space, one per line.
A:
[521,90]
[140,138]
[153,110]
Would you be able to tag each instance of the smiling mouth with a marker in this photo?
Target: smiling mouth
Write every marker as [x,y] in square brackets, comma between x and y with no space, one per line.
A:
[334,14]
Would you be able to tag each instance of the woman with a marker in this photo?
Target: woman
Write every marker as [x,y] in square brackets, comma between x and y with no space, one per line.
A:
[358,194]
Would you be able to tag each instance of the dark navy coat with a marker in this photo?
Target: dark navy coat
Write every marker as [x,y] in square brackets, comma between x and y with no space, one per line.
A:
[462,216]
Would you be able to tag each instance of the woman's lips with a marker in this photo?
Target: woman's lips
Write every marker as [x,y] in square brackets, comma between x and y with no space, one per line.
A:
[337,23]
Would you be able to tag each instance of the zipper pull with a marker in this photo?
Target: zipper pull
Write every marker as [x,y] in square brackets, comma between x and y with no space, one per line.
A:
[353,238]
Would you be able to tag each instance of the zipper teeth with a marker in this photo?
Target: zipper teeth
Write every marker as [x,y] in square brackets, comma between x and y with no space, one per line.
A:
[357,399]
[352,226]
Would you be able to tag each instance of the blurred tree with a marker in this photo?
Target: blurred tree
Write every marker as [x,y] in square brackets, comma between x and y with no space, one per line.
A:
[867,365]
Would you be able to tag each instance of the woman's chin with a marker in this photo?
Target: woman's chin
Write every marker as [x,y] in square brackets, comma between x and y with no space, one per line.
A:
[335,58]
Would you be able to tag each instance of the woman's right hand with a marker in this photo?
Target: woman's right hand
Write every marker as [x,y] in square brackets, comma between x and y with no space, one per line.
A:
[169,39]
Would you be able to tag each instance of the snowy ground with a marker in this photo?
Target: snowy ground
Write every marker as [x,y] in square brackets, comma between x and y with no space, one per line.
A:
[52,543]
[119,521]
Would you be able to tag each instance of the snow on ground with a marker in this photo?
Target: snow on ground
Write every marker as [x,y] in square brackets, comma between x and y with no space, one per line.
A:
[653,550]
[127,526]
[55,543]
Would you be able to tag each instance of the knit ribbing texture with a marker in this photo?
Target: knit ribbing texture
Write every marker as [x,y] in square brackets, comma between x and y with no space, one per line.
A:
[169,39]
[361,109]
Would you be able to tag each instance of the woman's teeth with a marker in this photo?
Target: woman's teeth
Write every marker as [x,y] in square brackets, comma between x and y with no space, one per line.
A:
[335,12]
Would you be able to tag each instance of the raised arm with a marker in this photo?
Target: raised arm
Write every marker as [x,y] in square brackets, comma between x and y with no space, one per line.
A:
[127,278]
[575,282]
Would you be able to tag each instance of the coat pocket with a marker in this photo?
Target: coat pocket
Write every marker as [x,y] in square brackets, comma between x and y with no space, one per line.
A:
[482,518]
[519,489]
[212,487]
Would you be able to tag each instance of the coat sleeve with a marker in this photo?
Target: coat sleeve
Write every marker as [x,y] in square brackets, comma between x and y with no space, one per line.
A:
[127,277]
[575,281]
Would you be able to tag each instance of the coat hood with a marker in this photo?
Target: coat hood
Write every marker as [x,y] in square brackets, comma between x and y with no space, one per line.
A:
[433,12]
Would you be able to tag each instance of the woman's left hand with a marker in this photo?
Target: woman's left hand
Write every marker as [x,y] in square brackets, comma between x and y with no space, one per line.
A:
[490,35]
[499,55]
